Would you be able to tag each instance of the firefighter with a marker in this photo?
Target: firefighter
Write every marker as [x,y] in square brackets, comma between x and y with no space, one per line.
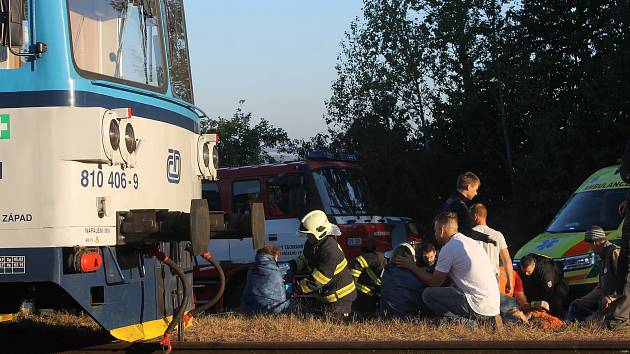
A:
[329,281]
[367,270]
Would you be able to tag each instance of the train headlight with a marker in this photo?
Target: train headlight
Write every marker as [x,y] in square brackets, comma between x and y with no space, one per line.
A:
[207,158]
[215,157]
[128,153]
[114,134]
[206,155]
[130,138]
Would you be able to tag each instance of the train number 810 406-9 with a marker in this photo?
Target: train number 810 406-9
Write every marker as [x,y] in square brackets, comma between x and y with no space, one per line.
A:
[117,180]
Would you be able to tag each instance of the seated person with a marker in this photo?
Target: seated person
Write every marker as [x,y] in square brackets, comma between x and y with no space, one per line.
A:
[516,308]
[264,290]
[475,294]
[593,306]
[543,280]
[401,290]
[428,255]
[367,270]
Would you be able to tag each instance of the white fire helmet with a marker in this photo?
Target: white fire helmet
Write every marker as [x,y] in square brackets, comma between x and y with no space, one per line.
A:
[411,249]
[316,223]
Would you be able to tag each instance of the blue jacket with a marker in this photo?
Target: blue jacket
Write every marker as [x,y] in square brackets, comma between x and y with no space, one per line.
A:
[264,290]
[401,292]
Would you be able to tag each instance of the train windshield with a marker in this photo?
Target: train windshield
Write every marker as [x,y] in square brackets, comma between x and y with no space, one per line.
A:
[584,209]
[118,39]
[343,191]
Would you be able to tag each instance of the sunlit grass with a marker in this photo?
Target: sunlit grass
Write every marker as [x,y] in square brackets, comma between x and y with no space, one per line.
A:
[239,328]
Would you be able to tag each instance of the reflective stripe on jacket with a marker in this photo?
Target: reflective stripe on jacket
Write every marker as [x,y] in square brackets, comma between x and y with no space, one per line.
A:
[366,270]
[330,277]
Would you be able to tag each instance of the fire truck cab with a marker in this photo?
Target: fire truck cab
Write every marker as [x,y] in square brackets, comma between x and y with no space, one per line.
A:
[330,182]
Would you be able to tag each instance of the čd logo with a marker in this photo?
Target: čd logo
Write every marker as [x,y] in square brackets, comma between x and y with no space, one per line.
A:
[173,166]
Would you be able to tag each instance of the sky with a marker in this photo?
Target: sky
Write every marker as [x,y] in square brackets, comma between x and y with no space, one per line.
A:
[277,55]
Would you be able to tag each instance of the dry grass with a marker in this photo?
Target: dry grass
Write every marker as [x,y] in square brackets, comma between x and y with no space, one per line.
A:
[238,328]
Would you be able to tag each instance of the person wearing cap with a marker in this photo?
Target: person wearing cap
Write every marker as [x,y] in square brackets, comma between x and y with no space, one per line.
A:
[593,305]
[620,317]
[401,290]
[543,280]
[475,294]
[367,270]
[329,280]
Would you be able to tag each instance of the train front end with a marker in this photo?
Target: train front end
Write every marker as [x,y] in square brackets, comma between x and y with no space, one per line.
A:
[101,162]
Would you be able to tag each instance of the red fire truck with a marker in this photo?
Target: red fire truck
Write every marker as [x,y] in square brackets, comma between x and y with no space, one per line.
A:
[330,182]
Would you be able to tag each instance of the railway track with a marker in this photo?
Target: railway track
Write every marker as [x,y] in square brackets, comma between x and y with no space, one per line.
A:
[371,347]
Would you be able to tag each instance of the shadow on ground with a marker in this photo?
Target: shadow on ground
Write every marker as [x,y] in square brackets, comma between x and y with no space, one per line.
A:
[29,336]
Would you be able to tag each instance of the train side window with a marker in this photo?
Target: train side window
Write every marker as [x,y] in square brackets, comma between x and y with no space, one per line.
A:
[210,192]
[17,31]
[285,195]
[243,194]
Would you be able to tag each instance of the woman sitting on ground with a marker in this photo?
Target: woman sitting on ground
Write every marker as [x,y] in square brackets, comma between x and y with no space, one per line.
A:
[264,290]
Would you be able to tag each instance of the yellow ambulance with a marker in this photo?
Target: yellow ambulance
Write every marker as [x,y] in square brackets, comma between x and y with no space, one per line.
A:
[595,202]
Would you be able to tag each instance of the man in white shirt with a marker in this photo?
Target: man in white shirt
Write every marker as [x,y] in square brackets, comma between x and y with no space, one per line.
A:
[476,293]
[479,214]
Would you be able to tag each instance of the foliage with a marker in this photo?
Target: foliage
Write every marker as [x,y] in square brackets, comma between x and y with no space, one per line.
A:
[241,143]
[530,94]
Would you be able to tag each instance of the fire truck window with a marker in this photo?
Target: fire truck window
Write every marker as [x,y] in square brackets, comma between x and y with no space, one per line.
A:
[285,195]
[210,192]
[243,194]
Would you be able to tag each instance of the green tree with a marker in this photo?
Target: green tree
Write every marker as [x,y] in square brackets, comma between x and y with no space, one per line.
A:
[532,95]
[243,143]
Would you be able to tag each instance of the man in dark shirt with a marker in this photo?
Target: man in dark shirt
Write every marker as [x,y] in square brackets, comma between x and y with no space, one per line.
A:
[620,317]
[467,186]
[543,280]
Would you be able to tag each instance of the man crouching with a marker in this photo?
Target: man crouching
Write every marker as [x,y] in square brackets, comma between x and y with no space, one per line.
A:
[594,305]
[476,293]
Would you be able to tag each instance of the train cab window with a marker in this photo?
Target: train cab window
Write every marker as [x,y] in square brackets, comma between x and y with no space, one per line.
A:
[14,38]
[118,39]
[285,195]
[179,62]
[210,192]
[244,193]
